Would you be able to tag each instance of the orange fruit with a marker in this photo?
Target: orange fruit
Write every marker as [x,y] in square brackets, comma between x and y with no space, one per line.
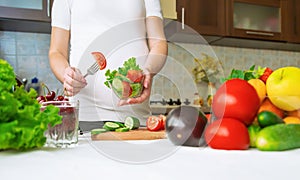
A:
[260,88]
[291,120]
[295,113]
[267,105]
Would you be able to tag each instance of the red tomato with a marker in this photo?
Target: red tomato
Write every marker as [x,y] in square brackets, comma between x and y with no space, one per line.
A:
[236,98]
[163,121]
[127,90]
[227,133]
[135,75]
[100,58]
[154,123]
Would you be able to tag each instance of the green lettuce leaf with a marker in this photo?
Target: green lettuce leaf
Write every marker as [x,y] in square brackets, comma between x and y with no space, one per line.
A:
[130,64]
[251,73]
[8,106]
[7,76]
[136,89]
[22,123]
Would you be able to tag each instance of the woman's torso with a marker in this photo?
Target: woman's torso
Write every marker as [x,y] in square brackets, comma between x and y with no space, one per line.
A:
[117,29]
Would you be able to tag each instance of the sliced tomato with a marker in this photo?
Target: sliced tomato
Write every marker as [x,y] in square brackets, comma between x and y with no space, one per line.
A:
[163,121]
[127,90]
[135,75]
[101,60]
[154,123]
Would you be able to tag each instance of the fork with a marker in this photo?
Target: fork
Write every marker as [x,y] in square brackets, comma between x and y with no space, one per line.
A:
[92,70]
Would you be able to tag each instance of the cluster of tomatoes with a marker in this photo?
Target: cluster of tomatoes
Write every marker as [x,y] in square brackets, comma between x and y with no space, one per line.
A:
[234,108]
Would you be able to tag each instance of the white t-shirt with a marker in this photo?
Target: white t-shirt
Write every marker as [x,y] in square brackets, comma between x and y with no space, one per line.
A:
[117,29]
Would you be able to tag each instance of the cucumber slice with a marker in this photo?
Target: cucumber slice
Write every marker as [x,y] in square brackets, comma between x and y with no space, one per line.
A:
[98,131]
[111,126]
[123,78]
[120,124]
[117,84]
[132,122]
[123,129]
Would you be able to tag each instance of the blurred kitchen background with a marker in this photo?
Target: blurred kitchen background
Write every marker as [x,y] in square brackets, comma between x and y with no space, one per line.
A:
[27,52]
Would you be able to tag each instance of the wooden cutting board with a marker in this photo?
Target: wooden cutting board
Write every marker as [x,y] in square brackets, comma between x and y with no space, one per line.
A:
[139,134]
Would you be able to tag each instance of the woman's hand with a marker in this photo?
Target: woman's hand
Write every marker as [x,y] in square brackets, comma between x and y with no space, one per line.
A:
[73,81]
[145,94]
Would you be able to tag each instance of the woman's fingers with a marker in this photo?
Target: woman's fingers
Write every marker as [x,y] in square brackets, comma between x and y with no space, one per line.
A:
[73,81]
[144,96]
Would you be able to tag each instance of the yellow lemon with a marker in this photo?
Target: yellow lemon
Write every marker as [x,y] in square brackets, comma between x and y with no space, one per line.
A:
[260,88]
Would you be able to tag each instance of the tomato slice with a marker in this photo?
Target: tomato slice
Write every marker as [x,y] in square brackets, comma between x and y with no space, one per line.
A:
[135,75]
[163,121]
[101,60]
[154,123]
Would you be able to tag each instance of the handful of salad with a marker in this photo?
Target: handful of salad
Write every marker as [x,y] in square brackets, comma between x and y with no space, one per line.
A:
[127,81]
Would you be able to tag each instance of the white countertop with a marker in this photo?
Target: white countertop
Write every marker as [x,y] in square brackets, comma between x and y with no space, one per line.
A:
[157,159]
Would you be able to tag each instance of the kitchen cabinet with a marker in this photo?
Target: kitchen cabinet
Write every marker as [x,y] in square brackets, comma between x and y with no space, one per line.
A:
[257,19]
[264,24]
[205,17]
[29,15]
[35,10]
[252,19]
[294,21]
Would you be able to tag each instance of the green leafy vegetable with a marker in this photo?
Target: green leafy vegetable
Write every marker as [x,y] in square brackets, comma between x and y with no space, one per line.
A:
[127,81]
[22,123]
[251,73]
[130,64]
[110,75]
[135,89]
[7,76]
